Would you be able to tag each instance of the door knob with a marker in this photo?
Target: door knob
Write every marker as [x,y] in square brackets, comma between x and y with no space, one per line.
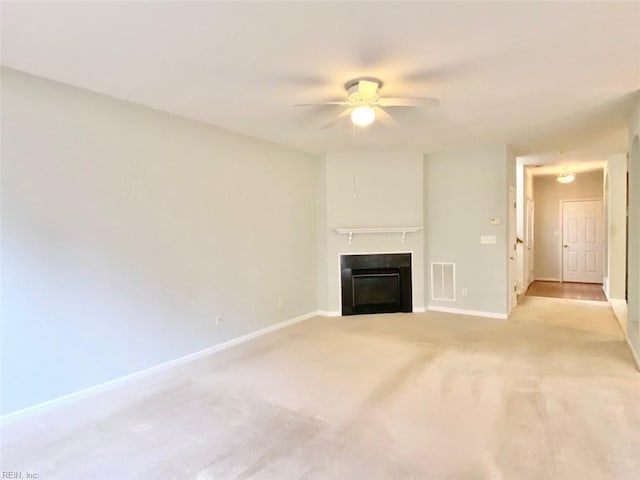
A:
[566,246]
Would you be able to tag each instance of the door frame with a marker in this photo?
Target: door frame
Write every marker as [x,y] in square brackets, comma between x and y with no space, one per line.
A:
[512,266]
[529,242]
[561,230]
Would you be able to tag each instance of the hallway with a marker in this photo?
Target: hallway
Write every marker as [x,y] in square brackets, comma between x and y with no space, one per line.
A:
[576,291]
[584,315]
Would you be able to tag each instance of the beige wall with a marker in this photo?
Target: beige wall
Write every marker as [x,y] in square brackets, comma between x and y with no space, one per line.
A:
[616,226]
[125,231]
[548,228]
[372,189]
[463,190]
[633,264]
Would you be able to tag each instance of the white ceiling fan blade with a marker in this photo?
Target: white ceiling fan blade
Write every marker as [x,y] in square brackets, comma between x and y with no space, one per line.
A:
[320,103]
[409,102]
[385,119]
[367,89]
[337,119]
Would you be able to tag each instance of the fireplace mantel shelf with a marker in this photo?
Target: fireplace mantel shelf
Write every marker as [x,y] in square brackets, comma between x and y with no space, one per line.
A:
[353,230]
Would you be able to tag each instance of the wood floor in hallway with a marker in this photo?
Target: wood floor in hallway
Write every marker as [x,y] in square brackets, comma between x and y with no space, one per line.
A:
[550,394]
[576,291]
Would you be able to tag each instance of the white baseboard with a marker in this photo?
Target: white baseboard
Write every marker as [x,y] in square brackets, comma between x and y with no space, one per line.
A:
[635,356]
[419,309]
[619,307]
[544,279]
[121,381]
[524,287]
[475,313]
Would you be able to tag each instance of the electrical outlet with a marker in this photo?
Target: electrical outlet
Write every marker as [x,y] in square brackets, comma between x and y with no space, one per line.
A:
[219,319]
[465,292]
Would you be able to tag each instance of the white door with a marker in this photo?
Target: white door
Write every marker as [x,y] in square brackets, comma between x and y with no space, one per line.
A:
[529,243]
[582,241]
[513,267]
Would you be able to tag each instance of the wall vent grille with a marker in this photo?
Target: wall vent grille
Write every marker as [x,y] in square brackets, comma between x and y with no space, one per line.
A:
[443,281]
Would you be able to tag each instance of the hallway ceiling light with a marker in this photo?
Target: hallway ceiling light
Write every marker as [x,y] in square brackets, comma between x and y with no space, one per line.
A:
[566,176]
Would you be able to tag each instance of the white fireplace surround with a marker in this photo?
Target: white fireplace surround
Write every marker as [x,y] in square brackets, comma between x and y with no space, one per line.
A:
[384,214]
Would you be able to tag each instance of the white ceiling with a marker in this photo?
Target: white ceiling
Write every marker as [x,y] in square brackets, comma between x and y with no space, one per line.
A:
[540,76]
[560,164]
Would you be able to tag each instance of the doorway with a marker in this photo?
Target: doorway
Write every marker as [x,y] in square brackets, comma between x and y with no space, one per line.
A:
[582,234]
[569,236]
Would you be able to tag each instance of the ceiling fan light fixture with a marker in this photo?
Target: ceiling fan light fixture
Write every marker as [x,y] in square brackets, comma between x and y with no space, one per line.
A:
[365,105]
[363,115]
[566,176]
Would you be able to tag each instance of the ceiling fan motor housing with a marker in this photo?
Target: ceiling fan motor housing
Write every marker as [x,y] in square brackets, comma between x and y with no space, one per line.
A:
[363,90]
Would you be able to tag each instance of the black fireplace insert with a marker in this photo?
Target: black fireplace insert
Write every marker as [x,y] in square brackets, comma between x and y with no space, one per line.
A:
[376,283]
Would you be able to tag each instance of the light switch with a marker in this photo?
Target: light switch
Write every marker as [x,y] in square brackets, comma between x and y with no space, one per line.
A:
[487,239]
[496,221]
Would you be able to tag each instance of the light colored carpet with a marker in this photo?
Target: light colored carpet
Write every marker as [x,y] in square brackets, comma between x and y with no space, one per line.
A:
[586,315]
[550,394]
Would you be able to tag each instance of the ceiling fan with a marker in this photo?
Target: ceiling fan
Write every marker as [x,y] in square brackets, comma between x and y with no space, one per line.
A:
[364,103]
